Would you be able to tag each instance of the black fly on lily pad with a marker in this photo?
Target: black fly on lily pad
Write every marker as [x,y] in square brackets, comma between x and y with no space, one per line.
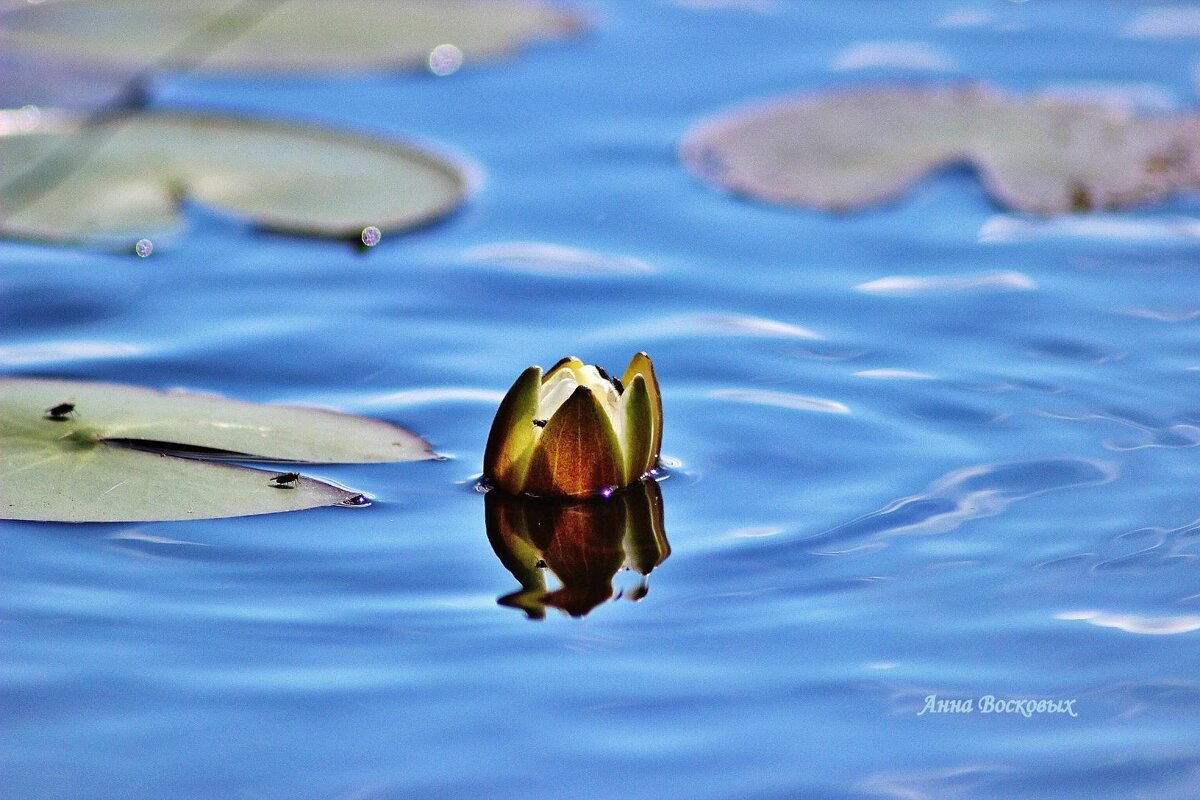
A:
[61,412]
[286,480]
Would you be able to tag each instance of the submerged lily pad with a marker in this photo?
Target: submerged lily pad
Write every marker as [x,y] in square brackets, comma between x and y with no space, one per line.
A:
[853,149]
[74,451]
[297,35]
[121,179]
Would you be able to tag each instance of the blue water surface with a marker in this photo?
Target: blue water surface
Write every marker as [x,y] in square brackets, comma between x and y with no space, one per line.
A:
[979,482]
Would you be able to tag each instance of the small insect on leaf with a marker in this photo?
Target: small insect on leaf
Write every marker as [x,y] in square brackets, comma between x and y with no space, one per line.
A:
[541,423]
[286,480]
[61,412]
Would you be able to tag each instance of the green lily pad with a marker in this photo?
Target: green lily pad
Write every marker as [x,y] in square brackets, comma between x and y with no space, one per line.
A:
[75,451]
[123,178]
[852,149]
[296,35]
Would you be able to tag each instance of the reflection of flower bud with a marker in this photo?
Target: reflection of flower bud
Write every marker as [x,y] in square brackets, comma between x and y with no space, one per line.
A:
[582,542]
[575,432]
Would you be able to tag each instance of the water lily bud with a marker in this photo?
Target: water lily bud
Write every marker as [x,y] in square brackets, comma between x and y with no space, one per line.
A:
[575,431]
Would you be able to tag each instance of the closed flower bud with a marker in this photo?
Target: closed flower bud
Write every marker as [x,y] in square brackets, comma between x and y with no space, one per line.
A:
[575,431]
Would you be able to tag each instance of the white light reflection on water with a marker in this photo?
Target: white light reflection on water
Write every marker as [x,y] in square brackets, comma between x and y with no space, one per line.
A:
[1005,228]
[965,18]
[51,352]
[715,324]
[894,55]
[553,259]
[798,402]
[757,6]
[1134,623]
[914,285]
[1161,315]
[895,374]
[430,395]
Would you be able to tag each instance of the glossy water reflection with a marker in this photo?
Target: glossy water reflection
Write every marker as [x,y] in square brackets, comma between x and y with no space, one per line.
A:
[1009,508]
[581,543]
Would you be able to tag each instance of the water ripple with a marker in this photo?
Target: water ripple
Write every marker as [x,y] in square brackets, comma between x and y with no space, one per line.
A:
[438,394]
[542,258]
[895,374]
[1161,315]
[756,6]
[965,18]
[53,352]
[1007,228]
[956,781]
[755,532]
[974,492]
[1135,623]
[1152,548]
[799,402]
[1131,698]
[709,325]
[914,285]
[1169,436]
[1073,350]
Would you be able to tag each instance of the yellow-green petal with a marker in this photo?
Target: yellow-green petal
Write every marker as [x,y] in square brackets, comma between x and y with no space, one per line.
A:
[639,429]
[508,532]
[510,443]
[569,363]
[578,453]
[640,364]
[645,541]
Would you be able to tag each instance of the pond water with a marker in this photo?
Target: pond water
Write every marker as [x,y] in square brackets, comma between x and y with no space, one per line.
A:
[979,482]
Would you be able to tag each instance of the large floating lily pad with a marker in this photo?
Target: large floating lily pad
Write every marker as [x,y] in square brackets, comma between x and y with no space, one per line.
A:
[123,178]
[111,453]
[852,149]
[269,35]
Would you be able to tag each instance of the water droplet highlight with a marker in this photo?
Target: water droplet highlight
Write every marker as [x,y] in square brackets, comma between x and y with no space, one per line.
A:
[445,59]
[371,236]
[143,248]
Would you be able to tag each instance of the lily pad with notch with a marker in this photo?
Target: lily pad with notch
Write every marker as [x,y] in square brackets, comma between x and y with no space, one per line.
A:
[280,35]
[852,149]
[127,453]
[118,179]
